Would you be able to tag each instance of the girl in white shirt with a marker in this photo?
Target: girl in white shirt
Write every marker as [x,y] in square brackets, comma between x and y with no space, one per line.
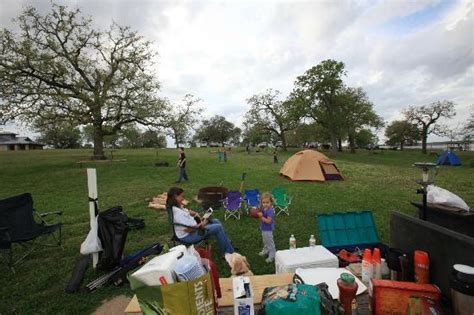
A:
[190,231]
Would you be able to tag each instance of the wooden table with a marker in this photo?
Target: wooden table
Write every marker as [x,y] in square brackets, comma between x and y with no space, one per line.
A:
[258,283]
[226,302]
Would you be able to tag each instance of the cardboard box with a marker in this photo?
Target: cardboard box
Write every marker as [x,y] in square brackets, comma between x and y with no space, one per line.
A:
[243,296]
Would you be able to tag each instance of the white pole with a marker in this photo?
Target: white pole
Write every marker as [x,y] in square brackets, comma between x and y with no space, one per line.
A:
[92,185]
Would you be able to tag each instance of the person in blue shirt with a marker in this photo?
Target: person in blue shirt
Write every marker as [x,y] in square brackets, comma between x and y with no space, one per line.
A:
[267,225]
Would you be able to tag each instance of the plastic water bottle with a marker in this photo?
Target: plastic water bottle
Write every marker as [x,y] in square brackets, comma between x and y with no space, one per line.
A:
[384,269]
[312,241]
[292,242]
[376,263]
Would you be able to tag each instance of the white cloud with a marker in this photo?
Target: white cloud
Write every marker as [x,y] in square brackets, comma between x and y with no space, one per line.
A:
[224,52]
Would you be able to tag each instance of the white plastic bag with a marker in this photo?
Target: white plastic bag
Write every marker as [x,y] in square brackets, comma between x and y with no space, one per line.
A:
[440,196]
[92,242]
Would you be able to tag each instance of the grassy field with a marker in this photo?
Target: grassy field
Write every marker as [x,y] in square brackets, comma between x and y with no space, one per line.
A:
[381,182]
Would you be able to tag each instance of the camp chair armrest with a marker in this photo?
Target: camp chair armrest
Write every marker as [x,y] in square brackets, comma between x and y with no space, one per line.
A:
[49,213]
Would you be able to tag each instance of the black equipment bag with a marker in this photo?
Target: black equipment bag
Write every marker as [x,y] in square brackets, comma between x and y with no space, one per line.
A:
[113,230]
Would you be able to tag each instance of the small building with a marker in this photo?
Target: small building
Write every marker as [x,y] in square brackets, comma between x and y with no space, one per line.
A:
[10,142]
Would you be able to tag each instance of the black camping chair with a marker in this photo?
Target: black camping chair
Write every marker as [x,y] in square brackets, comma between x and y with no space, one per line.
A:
[174,237]
[18,225]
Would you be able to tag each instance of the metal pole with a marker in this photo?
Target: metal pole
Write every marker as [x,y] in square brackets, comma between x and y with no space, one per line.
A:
[423,210]
[92,186]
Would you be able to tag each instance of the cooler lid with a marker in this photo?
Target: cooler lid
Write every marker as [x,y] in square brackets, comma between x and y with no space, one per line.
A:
[304,256]
[348,228]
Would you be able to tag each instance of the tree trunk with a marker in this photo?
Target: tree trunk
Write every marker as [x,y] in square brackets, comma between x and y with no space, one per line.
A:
[339,144]
[401,145]
[283,141]
[333,143]
[352,143]
[424,138]
[98,144]
[176,141]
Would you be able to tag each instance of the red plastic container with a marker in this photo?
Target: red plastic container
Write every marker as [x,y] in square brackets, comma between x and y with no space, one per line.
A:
[422,266]
[392,297]
[347,291]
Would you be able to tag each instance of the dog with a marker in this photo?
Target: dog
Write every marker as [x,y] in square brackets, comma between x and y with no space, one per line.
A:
[239,265]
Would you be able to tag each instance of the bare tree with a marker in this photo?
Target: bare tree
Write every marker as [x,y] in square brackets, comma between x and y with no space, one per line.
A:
[426,117]
[61,69]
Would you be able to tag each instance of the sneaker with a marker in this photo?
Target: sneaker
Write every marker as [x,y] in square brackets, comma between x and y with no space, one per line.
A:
[263,253]
[270,260]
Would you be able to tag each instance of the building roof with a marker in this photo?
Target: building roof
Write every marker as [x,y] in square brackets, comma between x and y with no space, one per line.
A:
[19,140]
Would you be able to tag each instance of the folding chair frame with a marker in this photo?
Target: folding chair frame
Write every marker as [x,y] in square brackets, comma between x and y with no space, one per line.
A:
[285,209]
[228,213]
[248,206]
[30,245]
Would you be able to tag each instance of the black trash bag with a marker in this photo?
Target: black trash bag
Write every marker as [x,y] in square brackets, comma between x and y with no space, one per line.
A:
[113,230]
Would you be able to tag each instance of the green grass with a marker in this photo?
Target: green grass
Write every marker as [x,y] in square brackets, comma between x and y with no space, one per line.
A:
[380,182]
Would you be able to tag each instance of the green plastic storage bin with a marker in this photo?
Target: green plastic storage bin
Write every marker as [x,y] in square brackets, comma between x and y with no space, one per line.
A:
[347,230]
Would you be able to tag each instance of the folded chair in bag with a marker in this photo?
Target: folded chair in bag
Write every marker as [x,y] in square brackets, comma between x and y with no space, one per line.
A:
[252,198]
[232,205]
[18,226]
[282,200]
[174,237]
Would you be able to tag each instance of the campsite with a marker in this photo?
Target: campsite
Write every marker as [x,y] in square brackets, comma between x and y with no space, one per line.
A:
[237,157]
[379,182]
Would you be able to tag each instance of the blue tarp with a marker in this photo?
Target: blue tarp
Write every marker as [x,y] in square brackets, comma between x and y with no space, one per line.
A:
[449,158]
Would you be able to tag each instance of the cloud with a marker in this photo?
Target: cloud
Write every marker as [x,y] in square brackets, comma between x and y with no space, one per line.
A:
[402,52]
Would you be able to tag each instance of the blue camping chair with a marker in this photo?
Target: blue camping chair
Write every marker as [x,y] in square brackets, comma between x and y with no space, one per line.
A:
[252,198]
[232,204]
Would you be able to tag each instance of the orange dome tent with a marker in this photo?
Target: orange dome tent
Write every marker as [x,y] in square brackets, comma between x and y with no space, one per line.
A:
[310,165]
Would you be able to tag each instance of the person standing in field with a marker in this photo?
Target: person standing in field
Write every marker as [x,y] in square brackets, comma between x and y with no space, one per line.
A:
[182,166]
[224,148]
[275,156]
[219,155]
[266,216]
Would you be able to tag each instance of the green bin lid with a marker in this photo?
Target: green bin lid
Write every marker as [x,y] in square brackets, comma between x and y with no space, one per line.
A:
[347,229]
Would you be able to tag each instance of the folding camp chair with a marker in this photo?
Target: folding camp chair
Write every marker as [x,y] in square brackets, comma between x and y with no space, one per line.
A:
[18,226]
[252,198]
[232,204]
[175,239]
[282,200]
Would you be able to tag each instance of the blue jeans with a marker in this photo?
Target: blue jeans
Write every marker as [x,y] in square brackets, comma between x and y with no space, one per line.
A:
[182,174]
[214,227]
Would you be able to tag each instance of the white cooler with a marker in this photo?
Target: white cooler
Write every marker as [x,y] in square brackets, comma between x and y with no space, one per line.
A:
[304,257]
[160,266]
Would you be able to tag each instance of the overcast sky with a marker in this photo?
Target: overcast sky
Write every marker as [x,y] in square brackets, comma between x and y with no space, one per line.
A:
[401,52]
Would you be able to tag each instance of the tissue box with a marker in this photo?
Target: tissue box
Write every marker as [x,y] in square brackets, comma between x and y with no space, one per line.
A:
[243,298]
